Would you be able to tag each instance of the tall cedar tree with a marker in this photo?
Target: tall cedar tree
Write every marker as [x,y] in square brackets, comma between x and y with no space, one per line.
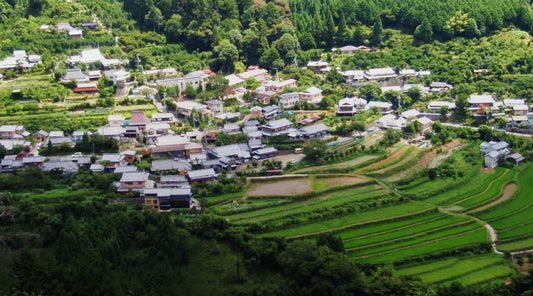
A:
[424,32]
[377,33]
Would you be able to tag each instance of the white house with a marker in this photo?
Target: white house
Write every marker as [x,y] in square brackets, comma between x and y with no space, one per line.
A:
[185,108]
[289,100]
[380,73]
[436,106]
[479,103]
[312,95]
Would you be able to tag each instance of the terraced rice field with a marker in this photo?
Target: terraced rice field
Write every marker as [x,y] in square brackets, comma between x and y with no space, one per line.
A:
[466,270]
[415,223]
[513,219]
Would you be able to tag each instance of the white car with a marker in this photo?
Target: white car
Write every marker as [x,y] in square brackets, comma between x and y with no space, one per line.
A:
[77,155]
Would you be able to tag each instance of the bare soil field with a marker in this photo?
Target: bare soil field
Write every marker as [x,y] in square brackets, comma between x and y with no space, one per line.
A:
[281,187]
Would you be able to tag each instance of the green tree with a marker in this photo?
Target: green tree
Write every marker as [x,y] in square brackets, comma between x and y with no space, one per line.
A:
[225,55]
[358,38]
[377,33]
[371,91]
[424,32]
[315,150]
[190,91]
[472,30]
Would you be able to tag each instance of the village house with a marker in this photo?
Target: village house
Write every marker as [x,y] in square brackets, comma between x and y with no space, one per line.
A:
[231,129]
[481,103]
[115,120]
[346,107]
[63,27]
[408,73]
[41,136]
[33,161]
[493,151]
[134,181]
[178,165]
[270,112]
[90,26]
[174,181]
[10,131]
[254,72]
[380,74]
[391,121]
[351,76]
[77,136]
[436,106]
[216,106]
[264,97]
[75,33]
[237,152]
[185,108]
[234,80]
[384,107]
[167,198]
[164,118]
[312,95]
[439,87]
[276,127]
[289,100]
[112,161]
[136,124]
[74,75]
[228,116]
[118,77]
[156,129]
[319,67]
[256,112]
[116,132]
[280,86]
[425,124]
[201,176]
[171,145]
[410,114]
[195,79]
[86,88]
[265,153]
[315,131]
[125,169]
[90,56]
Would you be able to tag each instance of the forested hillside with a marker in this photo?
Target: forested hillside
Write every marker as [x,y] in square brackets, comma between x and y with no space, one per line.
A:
[446,19]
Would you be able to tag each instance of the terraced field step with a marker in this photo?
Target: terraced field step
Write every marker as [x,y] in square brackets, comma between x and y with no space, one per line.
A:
[354,163]
[455,268]
[397,156]
[329,200]
[489,274]
[523,244]
[407,234]
[403,164]
[460,241]
[429,238]
[476,185]
[379,229]
[381,215]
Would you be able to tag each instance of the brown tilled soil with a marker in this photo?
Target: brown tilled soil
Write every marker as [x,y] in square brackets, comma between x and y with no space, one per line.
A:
[281,187]
[391,157]
[508,191]
[430,156]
